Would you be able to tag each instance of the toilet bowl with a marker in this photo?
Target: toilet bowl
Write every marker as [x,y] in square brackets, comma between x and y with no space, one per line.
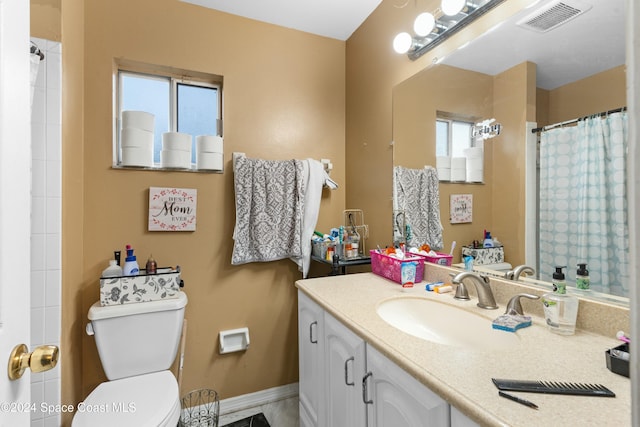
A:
[147,400]
[137,344]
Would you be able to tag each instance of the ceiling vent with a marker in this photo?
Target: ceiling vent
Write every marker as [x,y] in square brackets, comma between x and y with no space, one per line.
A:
[553,15]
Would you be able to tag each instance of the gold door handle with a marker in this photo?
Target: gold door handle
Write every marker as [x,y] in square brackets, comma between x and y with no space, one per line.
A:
[42,359]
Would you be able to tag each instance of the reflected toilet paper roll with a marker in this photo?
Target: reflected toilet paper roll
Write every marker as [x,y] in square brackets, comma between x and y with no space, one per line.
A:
[137,156]
[474,163]
[138,120]
[209,161]
[443,162]
[209,144]
[473,152]
[458,163]
[475,175]
[458,174]
[444,174]
[176,141]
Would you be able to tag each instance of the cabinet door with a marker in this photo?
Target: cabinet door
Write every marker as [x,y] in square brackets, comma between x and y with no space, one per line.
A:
[397,399]
[311,359]
[344,369]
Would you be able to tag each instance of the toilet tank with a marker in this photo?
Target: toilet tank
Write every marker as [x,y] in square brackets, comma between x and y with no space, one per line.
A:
[139,338]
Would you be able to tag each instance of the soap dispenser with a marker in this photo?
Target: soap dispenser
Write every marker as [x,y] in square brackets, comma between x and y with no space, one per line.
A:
[582,277]
[488,241]
[560,309]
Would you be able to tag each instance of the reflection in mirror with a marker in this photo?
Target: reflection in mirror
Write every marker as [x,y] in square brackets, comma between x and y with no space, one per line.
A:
[525,79]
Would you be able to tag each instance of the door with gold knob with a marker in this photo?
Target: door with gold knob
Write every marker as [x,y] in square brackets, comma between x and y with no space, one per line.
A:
[15,203]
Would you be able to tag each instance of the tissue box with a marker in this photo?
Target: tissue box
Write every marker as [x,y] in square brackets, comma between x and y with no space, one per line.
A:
[141,288]
[439,258]
[390,267]
[484,256]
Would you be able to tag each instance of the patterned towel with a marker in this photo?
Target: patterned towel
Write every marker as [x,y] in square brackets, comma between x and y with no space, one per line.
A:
[416,192]
[269,210]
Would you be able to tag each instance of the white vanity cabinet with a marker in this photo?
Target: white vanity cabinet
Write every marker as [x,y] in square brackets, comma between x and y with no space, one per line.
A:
[345,365]
[311,361]
[345,382]
[395,398]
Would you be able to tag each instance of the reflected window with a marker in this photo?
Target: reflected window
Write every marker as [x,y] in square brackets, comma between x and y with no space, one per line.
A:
[453,136]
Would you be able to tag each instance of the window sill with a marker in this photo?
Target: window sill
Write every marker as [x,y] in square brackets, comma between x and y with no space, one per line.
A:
[165,169]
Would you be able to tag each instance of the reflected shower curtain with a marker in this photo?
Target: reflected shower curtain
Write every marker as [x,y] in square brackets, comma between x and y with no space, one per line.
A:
[583,202]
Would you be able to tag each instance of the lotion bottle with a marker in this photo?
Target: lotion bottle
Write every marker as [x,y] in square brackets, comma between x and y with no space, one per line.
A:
[131,267]
[114,270]
[582,277]
[560,309]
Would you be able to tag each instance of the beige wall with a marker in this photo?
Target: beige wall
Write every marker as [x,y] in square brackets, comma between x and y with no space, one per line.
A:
[284,97]
[46,19]
[601,92]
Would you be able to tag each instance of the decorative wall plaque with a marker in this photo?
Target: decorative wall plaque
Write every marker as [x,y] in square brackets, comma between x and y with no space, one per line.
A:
[461,209]
[172,209]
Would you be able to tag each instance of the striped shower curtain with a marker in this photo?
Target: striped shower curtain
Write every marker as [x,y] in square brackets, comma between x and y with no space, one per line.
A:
[583,202]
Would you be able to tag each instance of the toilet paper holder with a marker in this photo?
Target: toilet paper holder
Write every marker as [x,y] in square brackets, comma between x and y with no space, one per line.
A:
[233,340]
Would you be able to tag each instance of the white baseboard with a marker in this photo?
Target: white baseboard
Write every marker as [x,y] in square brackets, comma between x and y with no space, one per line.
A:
[259,398]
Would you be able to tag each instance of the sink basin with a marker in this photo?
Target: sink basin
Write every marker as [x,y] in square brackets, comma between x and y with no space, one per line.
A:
[445,324]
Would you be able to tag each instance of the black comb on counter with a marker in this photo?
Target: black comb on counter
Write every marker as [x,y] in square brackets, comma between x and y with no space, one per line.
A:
[554,387]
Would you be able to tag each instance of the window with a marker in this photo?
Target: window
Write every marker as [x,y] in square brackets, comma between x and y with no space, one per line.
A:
[453,135]
[178,104]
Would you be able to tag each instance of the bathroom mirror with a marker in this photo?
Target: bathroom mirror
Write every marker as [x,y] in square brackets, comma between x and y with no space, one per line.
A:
[492,77]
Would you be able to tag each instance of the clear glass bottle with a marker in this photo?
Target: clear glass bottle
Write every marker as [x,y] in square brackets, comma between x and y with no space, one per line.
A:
[560,309]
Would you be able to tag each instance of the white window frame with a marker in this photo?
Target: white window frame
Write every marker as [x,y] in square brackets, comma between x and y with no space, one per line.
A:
[450,119]
[215,82]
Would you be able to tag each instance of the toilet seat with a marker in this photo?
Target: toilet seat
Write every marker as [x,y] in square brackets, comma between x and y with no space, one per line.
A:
[146,400]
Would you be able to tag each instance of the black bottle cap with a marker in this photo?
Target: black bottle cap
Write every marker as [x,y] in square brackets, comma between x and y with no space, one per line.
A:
[582,269]
[559,275]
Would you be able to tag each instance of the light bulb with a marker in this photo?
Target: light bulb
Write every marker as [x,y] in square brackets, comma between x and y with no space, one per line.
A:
[452,7]
[424,24]
[402,43]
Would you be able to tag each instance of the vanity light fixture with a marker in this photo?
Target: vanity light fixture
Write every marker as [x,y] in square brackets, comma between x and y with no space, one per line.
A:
[452,7]
[431,29]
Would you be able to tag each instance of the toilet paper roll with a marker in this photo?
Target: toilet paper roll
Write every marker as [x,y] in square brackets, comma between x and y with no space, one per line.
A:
[138,120]
[443,162]
[209,161]
[444,174]
[133,137]
[458,163]
[458,174]
[473,152]
[175,159]
[475,175]
[176,141]
[209,144]
[137,156]
[474,163]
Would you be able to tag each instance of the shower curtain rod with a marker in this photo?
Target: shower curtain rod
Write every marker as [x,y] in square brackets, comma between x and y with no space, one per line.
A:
[36,50]
[568,122]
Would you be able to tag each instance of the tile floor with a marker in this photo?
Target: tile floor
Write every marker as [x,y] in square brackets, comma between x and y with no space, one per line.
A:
[282,413]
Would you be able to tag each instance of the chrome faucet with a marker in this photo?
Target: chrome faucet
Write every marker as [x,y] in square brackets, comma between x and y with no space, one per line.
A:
[485,295]
[516,272]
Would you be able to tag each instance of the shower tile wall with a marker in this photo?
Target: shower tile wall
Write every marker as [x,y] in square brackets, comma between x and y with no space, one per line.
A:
[46,185]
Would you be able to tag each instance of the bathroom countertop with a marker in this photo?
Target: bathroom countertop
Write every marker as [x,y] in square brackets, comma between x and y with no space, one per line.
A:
[462,376]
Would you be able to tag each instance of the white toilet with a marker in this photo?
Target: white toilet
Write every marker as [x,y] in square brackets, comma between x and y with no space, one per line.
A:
[137,344]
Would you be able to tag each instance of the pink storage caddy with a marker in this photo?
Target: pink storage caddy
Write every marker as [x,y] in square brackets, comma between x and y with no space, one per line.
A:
[389,267]
[440,258]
